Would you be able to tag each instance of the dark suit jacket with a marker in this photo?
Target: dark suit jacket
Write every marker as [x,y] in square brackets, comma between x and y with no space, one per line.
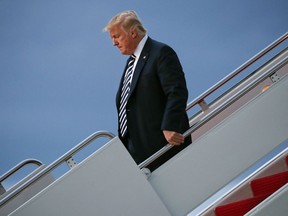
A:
[156,102]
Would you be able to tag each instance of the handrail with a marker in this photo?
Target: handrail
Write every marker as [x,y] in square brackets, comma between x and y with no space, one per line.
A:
[56,163]
[249,174]
[234,73]
[226,103]
[18,167]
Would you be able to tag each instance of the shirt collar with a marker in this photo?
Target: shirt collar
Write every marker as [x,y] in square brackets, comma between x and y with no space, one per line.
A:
[140,46]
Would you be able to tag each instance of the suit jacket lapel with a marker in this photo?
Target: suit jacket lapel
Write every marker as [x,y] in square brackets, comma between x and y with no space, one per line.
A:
[140,64]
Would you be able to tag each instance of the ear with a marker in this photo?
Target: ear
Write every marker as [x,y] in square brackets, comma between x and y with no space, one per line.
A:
[134,33]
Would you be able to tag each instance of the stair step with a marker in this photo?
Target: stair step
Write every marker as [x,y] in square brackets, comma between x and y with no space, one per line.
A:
[261,188]
[269,184]
[239,208]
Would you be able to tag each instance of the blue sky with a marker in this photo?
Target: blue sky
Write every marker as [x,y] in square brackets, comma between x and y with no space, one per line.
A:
[59,71]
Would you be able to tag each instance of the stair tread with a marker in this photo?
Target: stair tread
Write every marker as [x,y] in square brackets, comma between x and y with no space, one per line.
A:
[239,208]
[261,188]
[269,184]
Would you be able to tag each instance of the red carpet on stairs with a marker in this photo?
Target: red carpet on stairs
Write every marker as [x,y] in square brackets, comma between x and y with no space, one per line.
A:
[261,188]
[239,208]
[269,184]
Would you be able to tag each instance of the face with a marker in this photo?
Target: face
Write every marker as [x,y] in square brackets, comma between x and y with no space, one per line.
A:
[123,40]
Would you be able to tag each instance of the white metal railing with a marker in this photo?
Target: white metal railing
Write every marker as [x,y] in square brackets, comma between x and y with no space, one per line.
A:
[19,166]
[16,168]
[199,100]
[59,161]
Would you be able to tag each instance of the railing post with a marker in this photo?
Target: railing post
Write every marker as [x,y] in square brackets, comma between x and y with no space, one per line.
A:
[2,189]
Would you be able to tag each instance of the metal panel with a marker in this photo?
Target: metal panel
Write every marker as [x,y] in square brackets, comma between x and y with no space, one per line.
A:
[107,183]
[26,194]
[227,150]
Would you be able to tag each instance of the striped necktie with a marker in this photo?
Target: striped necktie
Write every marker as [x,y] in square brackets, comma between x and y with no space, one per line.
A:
[124,96]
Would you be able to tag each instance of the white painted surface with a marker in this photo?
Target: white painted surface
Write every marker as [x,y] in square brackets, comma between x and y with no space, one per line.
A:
[107,183]
[227,150]
[29,192]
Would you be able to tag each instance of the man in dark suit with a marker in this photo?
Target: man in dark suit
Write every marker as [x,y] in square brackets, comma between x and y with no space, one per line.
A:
[152,113]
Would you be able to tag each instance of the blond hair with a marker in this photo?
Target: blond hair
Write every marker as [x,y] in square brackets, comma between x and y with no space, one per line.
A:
[128,20]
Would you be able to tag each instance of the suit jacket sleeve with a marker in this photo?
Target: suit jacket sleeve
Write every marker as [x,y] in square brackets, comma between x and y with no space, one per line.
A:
[173,83]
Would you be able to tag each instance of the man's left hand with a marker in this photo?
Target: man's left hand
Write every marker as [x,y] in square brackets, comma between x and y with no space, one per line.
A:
[173,137]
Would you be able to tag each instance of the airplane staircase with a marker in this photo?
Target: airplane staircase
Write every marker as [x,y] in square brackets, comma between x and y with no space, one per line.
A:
[261,188]
[36,180]
[242,122]
[267,181]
